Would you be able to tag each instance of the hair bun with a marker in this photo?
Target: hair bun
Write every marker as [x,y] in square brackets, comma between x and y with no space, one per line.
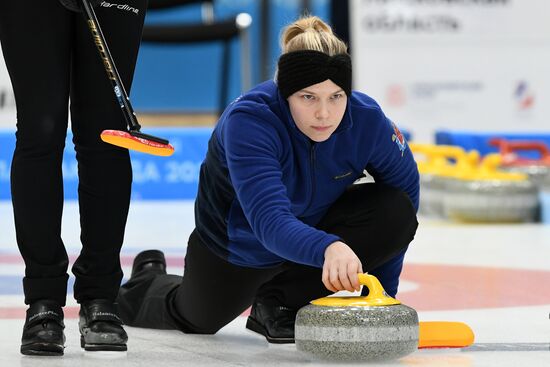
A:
[311,33]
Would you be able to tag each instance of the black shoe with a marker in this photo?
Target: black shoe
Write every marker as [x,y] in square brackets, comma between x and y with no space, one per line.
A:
[43,331]
[100,327]
[275,322]
[150,260]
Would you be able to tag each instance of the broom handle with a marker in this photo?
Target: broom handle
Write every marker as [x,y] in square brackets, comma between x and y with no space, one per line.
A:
[110,68]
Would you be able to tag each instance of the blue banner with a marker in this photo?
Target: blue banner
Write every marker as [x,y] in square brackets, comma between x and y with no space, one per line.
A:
[154,178]
[480,140]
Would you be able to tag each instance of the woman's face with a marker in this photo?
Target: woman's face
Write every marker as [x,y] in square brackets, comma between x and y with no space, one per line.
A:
[318,109]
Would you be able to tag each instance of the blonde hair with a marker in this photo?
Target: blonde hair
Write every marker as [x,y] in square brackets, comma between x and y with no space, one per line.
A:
[311,33]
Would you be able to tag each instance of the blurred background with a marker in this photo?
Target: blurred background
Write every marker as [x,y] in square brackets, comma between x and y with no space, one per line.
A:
[447,72]
[466,81]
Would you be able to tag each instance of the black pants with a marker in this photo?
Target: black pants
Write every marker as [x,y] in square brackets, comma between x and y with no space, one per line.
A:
[376,221]
[50,57]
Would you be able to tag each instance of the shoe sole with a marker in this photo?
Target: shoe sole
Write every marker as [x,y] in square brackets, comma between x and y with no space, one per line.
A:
[42,349]
[102,347]
[255,326]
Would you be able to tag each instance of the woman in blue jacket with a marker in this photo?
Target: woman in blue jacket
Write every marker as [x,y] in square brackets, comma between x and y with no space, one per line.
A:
[279,220]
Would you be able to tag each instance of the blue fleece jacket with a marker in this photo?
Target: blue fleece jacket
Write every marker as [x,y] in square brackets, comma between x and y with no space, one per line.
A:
[264,185]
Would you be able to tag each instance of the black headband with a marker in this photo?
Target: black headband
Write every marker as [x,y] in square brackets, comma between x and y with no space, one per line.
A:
[300,69]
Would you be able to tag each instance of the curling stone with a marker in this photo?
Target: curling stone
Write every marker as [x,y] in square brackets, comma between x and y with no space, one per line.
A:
[435,170]
[430,188]
[372,328]
[538,169]
[487,194]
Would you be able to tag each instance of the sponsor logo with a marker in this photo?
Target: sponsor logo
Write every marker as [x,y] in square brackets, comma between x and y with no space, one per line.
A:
[431,90]
[420,16]
[124,7]
[398,139]
[108,314]
[40,314]
[339,177]
[417,24]
[524,96]
[102,50]
[395,95]
[118,94]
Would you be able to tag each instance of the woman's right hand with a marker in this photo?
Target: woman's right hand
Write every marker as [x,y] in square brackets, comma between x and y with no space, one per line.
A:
[340,268]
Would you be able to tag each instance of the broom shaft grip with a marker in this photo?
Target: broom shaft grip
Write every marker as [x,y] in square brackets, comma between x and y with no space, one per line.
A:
[110,68]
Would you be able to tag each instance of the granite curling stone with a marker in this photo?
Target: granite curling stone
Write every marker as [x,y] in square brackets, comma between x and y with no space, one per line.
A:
[372,328]
[435,170]
[538,169]
[488,194]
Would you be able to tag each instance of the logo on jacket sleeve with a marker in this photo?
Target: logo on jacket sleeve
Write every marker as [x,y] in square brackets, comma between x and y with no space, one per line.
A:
[398,138]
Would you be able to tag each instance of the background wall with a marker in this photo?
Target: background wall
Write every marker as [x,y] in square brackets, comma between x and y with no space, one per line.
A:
[185,79]
[457,64]
[481,65]
[180,79]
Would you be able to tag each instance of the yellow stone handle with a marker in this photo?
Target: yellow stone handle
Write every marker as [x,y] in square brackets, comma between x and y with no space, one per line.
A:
[431,150]
[373,284]
[437,159]
[377,295]
[464,160]
[488,170]
[491,162]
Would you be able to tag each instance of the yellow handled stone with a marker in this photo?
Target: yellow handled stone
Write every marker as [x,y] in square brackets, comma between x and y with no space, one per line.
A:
[377,296]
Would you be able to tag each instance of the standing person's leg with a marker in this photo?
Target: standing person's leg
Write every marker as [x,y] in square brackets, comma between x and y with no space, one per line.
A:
[36,38]
[211,293]
[104,171]
[376,221]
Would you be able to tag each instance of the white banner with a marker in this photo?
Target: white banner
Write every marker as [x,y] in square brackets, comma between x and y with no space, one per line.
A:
[478,65]
[7,100]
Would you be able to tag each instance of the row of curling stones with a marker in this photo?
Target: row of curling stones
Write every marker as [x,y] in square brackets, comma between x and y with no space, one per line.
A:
[372,328]
[472,192]
[487,194]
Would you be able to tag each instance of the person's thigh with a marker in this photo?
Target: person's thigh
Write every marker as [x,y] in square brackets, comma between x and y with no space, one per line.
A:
[36,44]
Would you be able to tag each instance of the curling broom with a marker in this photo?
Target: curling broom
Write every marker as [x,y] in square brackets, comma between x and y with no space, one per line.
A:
[132,139]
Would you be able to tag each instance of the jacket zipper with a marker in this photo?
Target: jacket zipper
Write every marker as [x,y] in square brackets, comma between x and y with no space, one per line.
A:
[312,162]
